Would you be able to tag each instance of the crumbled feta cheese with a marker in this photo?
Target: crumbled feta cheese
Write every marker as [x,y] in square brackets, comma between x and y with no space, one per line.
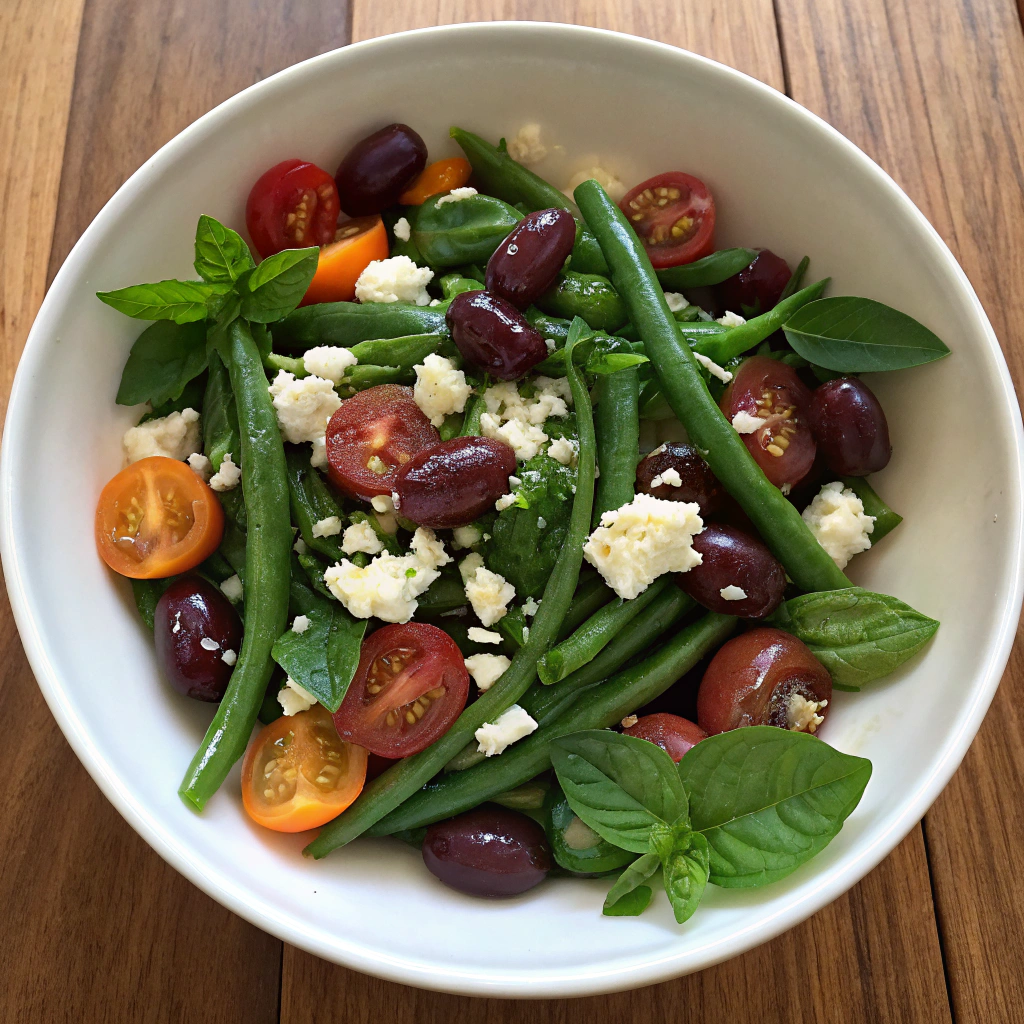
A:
[526,634]
[733,593]
[676,301]
[456,196]
[608,181]
[504,502]
[209,644]
[488,592]
[469,565]
[329,361]
[299,547]
[563,450]
[517,420]
[629,721]
[486,669]
[177,623]
[731,320]
[465,536]
[745,423]
[229,657]
[440,389]
[435,302]
[640,541]
[526,148]
[786,488]
[802,714]
[303,409]
[396,279]
[429,549]
[712,367]
[294,698]
[300,623]
[483,636]
[175,436]
[837,520]
[530,607]
[382,503]
[329,527]
[200,465]
[667,477]
[509,726]
[542,523]
[231,588]
[228,477]
[402,229]
[361,537]
[318,458]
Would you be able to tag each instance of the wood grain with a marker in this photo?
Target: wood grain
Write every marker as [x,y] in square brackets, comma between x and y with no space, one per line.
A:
[935,93]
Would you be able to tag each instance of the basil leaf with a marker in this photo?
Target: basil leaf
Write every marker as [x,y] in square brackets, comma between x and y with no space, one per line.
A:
[629,897]
[181,301]
[685,871]
[311,501]
[709,270]
[164,358]
[276,286]
[221,254]
[857,635]
[466,231]
[620,786]
[191,397]
[795,279]
[855,335]
[767,800]
[220,416]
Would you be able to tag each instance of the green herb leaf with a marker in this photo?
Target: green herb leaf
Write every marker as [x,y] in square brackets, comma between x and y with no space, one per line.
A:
[181,301]
[312,501]
[191,397]
[685,869]
[855,335]
[857,635]
[164,358]
[709,270]
[767,800]
[622,787]
[609,362]
[220,416]
[629,897]
[221,254]
[276,286]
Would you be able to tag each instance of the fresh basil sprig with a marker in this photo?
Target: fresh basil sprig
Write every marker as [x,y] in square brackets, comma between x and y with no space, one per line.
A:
[859,636]
[221,254]
[164,358]
[183,302]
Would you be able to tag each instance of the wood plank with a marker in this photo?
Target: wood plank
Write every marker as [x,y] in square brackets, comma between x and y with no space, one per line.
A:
[935,93]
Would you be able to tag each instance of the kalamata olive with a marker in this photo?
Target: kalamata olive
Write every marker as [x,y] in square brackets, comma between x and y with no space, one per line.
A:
[764,677]
[673,734]
[493,335]
[527,263]
[377,169]
[197,635]
[454,482]
[737,575]
[676,472]
[489,851]
[757,287]
[850,427]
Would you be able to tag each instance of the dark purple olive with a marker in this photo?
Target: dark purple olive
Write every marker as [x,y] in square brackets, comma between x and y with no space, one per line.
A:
[696,481]
[377,169]
[757,287]
[194,628]
[493,335]
[527,263]
[733,559]
[454,483]
[489,851]
[850,427]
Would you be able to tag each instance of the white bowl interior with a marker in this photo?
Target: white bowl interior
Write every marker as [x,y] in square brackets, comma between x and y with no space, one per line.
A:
[781,178]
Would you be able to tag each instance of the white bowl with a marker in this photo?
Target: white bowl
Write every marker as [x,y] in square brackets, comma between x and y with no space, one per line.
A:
[782,178]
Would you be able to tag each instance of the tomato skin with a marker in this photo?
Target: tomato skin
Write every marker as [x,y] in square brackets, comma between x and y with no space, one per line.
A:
[430,676]
[311,774]
[293,189]
[674,216]
[383,423]
[140,517]
[752,679]
[358,243]
[784,447]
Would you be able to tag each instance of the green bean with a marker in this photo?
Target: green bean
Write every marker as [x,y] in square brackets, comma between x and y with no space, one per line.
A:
[795,279]
[290,364]
[595,634]
[778,522]
[885,519]
[456,284]
[709,270]
[617,425]
[347,323]
[597,709]
[590,595]
[402,780]
[311,501]
[588,296]
[406,351]
[552,327]
[268,550]
[359,378]
[475,408]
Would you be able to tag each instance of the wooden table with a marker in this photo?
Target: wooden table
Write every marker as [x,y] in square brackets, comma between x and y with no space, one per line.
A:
[96,926]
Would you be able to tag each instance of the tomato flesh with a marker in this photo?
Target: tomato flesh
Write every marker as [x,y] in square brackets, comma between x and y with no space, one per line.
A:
[293,205]
[371,436]
[674,215]
[410,686]
[770,390]
[156,518]
[299,774]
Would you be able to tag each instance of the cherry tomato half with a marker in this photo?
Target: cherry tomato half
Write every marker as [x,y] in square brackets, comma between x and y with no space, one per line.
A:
[372,436]
[675,735]
[440,176]
[764,677]
[299,774]
[293,205]
[357,243]
[784,447]
[157,518]
[411,684]
[674,215]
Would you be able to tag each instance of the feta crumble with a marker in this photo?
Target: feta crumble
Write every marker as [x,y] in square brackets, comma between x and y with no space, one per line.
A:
[229,657]
[440,388]
[530,607]
[175,436]
[518,421]
[402,229]
[486,669]
[361,537]
[745,423]
[483,636]
[303,409]
[676,301]
[504,502]
[563,450]
[731,319]
[456,196]
[300,623]
[802,714]
[488,592]
[293,698]
[668,478]
[201,466]
[209,644]
[329,361]
[608,181]
[382,503]
[526,148]
[733,593]
[228,477]
[231,588]
[465,536]
[328,527]
[396,279]
[712,367]
[299,547]
[513,724]
[837,520]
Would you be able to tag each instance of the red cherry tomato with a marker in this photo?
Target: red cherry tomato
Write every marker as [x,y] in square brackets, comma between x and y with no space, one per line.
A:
[293,205]
[784,447]
[673,734]
[372,436]
[764,677]
[410,686]
[674,215]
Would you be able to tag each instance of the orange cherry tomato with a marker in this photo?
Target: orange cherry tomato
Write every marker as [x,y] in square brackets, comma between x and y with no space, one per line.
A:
[298,773]
[157,518]
[440,176]
[357,243]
